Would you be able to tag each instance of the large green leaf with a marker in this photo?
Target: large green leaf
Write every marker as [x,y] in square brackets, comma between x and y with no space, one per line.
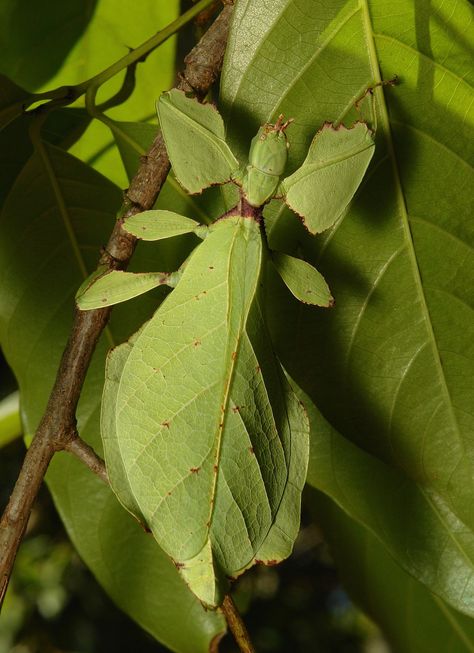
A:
[62,127]
[391,367]
[35,50]
[52,226]
[12,98]
[413,620]
[70,42]
[433,545]
[217,465]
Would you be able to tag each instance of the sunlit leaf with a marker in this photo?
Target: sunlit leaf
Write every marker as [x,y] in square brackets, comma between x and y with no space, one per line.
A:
[392,366]
[10,423]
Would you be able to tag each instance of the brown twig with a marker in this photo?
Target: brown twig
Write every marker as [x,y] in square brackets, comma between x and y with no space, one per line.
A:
[57,429]
[236,625]
[88,456]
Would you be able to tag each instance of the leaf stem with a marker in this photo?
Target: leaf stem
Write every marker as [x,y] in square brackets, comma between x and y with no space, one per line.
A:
[236,625]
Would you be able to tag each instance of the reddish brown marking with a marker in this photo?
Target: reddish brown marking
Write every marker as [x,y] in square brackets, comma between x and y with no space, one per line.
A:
[236,409]
[211,267]
[168,494]
[165,424]
[179,565]
[267,563]
[234,355]
[258,368]
[252,451]
[194,470]
[216,469]
[196,343]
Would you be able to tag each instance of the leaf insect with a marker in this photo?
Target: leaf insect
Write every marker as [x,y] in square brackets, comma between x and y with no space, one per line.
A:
[204,439]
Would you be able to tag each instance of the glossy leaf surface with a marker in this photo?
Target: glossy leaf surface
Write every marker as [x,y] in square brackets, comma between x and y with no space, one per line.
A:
[391,367]
[321,189]
[303,280]
[433,546]
[66,211]
[413,620]
[195,139]
[217,466]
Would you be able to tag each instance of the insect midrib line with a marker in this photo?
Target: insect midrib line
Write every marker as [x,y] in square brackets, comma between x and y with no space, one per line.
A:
[322,165]
[65,218]
[374,64]
[226,388]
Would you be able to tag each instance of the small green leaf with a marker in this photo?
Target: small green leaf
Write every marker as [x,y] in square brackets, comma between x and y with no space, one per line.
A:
[195,139]
[303,280]
[320,190]
[159,224]
[117,286]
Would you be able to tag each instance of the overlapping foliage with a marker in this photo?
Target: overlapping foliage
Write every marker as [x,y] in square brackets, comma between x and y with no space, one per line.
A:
[390,368]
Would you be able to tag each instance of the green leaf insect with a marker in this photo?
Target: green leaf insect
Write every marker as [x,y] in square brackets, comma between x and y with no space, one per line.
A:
[320,191]
[205,442]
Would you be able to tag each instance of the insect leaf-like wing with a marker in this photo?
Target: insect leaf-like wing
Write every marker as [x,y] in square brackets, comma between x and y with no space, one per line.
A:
[321,189]
[210,444]
[195,140]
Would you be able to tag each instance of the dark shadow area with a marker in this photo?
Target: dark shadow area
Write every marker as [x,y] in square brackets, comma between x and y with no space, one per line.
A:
[38,37]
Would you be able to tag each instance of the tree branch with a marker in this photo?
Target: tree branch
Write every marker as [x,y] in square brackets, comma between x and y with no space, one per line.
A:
[88,456]
[236,625]
[57,429]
